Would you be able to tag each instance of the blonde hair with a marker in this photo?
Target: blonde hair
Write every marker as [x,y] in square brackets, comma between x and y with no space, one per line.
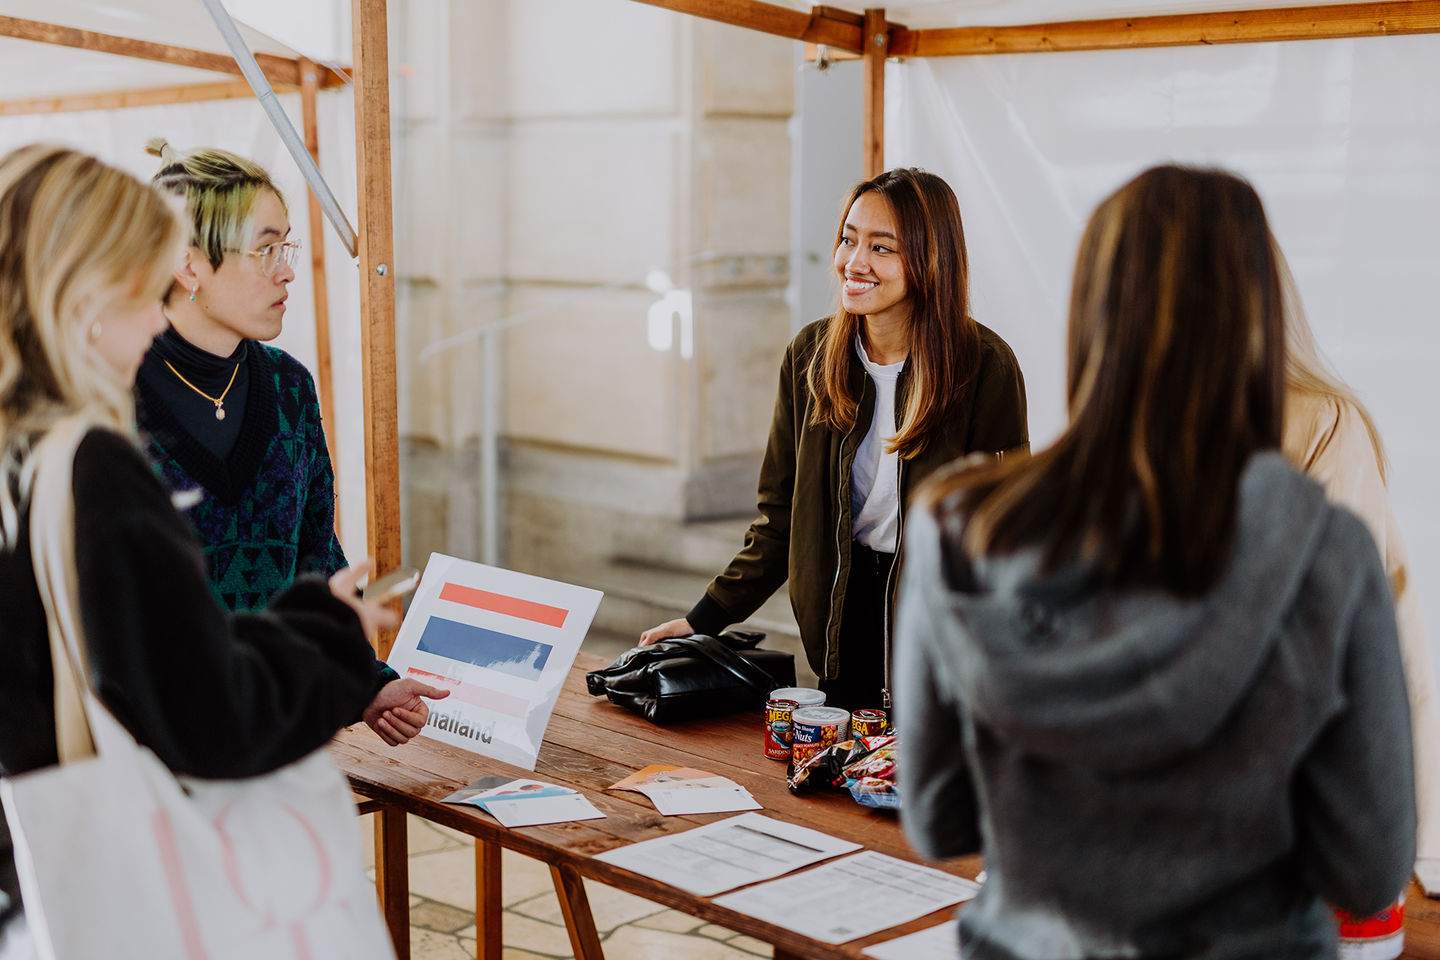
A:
[72,232]
[219,189]
[1306,370]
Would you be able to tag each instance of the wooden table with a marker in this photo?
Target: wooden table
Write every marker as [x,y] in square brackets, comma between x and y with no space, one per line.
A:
[589,745]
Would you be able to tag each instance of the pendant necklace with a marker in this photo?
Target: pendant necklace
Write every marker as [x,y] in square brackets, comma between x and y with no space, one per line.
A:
[218,401]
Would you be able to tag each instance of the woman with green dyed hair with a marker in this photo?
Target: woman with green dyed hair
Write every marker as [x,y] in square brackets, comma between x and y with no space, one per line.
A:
[238,420]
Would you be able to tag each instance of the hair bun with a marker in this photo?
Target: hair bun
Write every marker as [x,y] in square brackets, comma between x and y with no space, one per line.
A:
[160,147]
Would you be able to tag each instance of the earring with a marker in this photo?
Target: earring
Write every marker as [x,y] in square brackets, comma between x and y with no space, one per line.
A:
[95,331]
[193,292]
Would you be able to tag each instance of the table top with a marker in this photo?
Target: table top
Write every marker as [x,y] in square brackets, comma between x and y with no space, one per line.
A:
[591,744]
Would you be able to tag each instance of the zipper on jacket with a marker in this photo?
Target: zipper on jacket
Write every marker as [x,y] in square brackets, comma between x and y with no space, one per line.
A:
[890,578]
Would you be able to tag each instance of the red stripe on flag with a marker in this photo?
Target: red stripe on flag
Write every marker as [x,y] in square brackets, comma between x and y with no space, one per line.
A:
[509,606]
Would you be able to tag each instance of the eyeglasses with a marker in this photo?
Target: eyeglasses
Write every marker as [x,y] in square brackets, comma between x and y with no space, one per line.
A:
[273,254]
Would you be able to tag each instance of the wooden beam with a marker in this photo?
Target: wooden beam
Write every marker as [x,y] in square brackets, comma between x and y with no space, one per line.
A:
[877,48]
[280,70]
[309,114]
[149,97]
[827,25]
[377,288]
[1243,26]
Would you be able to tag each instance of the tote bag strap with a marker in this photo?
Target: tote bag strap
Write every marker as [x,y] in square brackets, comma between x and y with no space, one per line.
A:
[52,548]
[719,653]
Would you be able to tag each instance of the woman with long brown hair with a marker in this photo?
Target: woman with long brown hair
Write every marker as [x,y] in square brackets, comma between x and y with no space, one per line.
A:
[1150,672]
[898,382]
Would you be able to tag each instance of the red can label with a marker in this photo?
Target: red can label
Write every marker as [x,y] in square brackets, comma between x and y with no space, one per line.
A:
[1378,937]
[868,723]
[778,728]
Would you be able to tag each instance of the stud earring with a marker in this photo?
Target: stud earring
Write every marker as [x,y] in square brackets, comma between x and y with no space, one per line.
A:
[192,294]
[95,331]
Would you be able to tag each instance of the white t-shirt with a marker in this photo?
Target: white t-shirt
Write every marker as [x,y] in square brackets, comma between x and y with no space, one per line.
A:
[875,475]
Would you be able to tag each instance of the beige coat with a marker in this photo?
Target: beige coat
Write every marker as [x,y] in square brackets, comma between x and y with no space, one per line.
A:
[1326,437]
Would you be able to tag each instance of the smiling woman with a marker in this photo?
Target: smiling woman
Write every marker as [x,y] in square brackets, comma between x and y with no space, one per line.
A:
[898,383]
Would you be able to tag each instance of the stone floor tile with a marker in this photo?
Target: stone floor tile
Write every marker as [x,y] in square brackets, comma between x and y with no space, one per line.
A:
[749,944]
[447,876]
[545,938]
[425,837]
[716,932]
[441,917]
[672,920]
[511,953]
[609,906]
[428,945]
[638,943]
[524,877]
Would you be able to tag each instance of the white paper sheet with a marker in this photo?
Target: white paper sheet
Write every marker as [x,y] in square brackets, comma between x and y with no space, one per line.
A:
[502,642]
[531,811]
[940,942]
[684,800]
[728,853]
[893,891]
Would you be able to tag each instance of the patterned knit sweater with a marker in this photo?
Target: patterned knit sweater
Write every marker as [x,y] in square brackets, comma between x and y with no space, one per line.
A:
[267,511]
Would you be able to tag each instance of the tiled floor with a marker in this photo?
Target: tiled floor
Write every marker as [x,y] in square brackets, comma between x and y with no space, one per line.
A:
[442,904]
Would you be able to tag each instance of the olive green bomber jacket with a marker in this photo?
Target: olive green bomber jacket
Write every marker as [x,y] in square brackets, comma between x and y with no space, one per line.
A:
[803,531]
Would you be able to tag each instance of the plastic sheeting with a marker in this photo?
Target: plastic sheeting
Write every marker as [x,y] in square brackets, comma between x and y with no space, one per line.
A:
[1340,137]
[118,137]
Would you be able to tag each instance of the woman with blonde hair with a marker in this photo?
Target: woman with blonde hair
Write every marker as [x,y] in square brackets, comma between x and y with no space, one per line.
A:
[1332,437]
[897,383]
[86,253]
[1151,672]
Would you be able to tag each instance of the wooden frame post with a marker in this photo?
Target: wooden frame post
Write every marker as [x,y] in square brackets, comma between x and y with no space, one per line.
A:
[309,88]
[377,287]
[876,38]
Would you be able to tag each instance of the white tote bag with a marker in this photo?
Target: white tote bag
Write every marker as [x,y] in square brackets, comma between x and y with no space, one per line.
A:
[119,858]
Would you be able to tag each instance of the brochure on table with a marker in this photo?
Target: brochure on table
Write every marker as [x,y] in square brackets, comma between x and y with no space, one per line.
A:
[884,891]
[526,803]
[502,642]
[685,790]
[727,853]
[940,942]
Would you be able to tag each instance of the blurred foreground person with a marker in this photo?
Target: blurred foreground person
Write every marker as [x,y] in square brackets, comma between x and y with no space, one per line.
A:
[86,253]
[1151,672]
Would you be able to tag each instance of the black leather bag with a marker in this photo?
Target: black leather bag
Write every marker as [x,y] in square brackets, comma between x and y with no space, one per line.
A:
[691,677]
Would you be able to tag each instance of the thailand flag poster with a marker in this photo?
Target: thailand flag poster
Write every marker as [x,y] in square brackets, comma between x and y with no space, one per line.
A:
[502,642]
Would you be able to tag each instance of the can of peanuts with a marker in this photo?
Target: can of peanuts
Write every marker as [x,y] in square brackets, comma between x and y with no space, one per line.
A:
[814,728]
[777,728]
[868,723]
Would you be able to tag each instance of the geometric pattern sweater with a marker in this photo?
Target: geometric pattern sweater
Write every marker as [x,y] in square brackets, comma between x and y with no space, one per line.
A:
[267,511]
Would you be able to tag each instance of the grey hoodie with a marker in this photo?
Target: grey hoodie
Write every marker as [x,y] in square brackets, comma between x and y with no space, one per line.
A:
[1156,777]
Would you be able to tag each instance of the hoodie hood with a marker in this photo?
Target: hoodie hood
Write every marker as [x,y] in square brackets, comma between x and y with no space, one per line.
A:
[1122,680]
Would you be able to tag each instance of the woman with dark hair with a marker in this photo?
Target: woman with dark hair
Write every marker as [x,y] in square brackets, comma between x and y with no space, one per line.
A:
[898,382]
[1150,672]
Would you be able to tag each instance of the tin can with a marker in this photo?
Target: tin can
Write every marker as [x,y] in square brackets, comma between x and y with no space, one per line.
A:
[803,696]
[1378,937]
[814,728]
[777,728]
[868,723]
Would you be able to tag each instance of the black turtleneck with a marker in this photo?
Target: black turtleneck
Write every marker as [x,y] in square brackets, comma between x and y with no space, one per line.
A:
[208,372]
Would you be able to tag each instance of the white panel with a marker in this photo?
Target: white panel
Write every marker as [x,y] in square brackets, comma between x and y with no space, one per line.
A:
[600,56]
[1340,137]
[592,202]
[742,71]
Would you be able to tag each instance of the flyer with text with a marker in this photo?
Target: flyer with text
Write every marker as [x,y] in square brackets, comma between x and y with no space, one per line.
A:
[502,642]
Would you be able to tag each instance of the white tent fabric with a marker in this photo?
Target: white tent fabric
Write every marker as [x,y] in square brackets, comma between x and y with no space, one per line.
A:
[118,136]
[1332,133]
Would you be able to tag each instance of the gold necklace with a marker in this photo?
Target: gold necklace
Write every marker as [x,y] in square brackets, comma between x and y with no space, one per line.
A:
[218,401]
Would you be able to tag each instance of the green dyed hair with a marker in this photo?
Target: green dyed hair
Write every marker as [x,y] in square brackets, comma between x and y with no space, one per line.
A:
[219,190]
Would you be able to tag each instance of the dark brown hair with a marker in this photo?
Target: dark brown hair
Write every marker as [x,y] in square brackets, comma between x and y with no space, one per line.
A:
[1175,378]
[944,340]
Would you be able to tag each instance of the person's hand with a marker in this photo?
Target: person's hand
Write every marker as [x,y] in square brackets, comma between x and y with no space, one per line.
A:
[373,617]
[398,713]
[674,628]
